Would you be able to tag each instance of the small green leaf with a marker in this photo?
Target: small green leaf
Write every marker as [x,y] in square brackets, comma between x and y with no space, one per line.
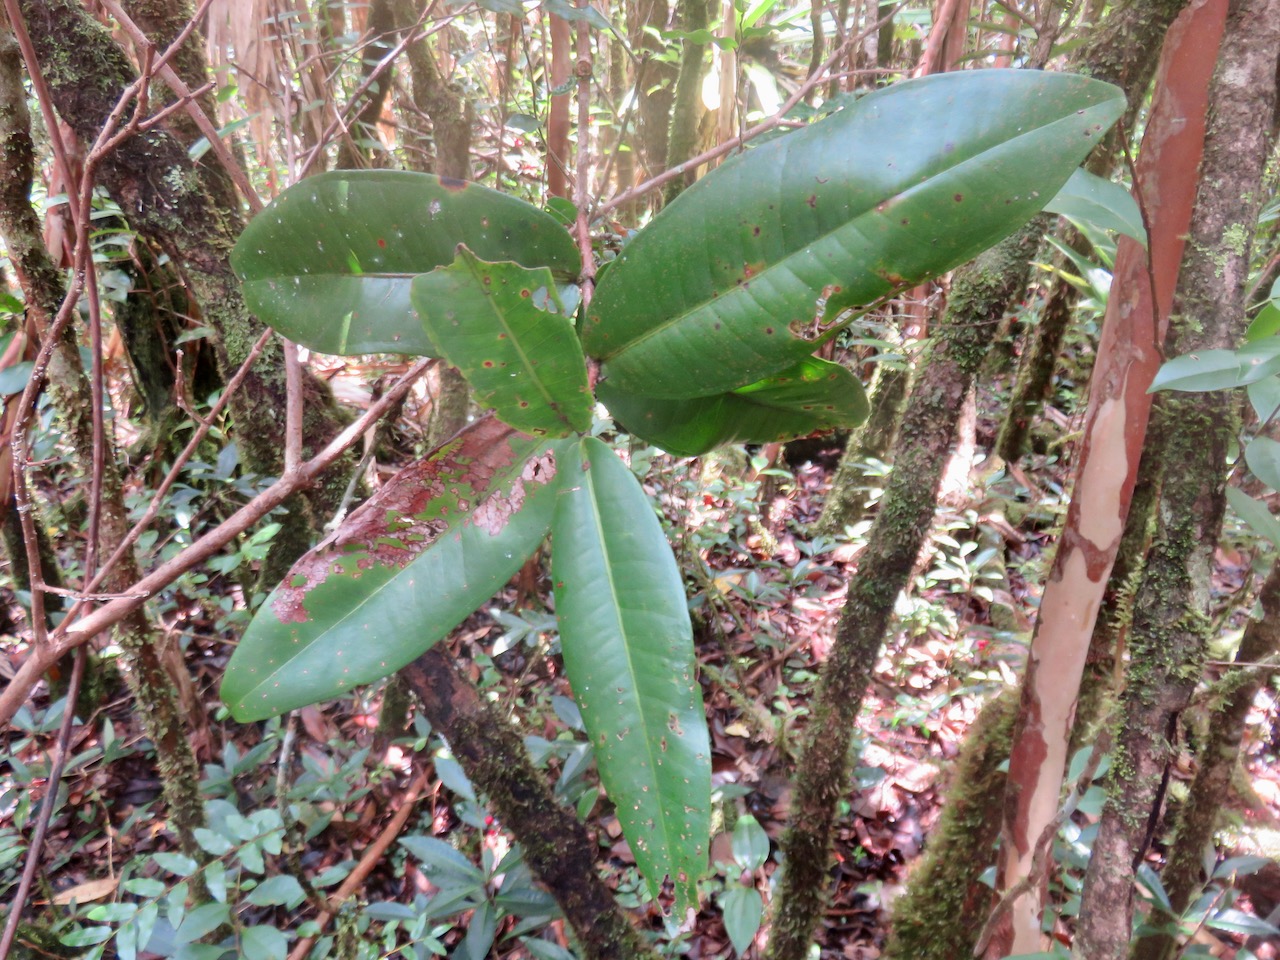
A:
[1263,457]
[13,378]
[628,652]
[809,397]
[505,328]
[481,931]
[742,909]
[401,572]
[330,261]
[275,891]
[203,919]
[1255,514]
[439,860]
[1090,199]
[263,943]
[1266,323]
[1264,395]
[750,843]
[568,11]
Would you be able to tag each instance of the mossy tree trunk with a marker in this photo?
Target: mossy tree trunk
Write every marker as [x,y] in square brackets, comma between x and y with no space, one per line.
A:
[167,724]
[166,198]
[1198,818]
[451,115]
[556,845]
[1115,424]
[846,501]
[356,150]
[980,295]
[1191,435]
[942,913]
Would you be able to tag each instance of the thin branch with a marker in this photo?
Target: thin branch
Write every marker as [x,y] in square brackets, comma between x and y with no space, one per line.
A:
[293,408]
[70,635]
[50,800]
[763,127]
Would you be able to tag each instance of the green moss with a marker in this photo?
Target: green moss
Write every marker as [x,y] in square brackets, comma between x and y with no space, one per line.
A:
[945,905]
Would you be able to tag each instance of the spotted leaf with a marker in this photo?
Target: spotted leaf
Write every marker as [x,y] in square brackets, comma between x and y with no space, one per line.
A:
[505,328]
[628,652]
[400,572]
[329,262]
[759,262]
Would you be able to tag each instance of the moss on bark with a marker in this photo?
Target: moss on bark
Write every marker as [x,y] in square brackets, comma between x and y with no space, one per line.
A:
[686,112]
[946,903]
[557,847]
[980,295]
[1191,434]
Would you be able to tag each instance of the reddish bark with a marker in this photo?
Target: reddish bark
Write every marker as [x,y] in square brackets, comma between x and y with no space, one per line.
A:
[1115,429]
[558,121]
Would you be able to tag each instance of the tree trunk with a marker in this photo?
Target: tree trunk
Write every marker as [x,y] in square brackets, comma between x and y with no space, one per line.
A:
[354,151]
[942,912]
[1198,818]
[1115,424]
[1191,435]
[168,725]
[981,292]
[556,846]
[686,113]
[846,501]
[164,196]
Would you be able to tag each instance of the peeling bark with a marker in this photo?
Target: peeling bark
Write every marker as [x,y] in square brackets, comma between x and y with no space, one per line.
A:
[1115,425]
[1191,434]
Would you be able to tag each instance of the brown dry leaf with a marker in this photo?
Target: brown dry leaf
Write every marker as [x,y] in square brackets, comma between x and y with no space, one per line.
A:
[87,892]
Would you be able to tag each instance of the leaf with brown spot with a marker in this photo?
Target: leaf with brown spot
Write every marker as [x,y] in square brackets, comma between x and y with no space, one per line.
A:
[849,200]
[330,261]
[517,349]
[628,651]
[400,572]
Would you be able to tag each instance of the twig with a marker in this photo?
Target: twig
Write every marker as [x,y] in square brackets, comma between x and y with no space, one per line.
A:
[50,800]
[70,635]
[582,177]
[293,408]
[763,126]
[372,854]
[153,508]
[185,94]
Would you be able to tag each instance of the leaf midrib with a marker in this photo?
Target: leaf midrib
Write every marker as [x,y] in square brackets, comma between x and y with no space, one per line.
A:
[821,238]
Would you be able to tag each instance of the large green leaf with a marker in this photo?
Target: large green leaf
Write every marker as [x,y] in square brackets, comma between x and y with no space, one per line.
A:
[750,267]
[1087,198]
[505,328]
[810,396]
[401,572]
[329,262]
[628,651]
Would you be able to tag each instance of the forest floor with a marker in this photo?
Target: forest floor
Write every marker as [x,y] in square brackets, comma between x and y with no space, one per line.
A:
[766,599]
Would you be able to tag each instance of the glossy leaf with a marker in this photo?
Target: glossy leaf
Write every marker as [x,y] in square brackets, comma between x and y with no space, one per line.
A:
[1264,395]
[750,843]
[750,268]
[401,572]
[809,397]
[742,909]
[1087,198]
[1263,457]
[1255,514]
[1219,369]
[330,261]
[504,327]
[628,652]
